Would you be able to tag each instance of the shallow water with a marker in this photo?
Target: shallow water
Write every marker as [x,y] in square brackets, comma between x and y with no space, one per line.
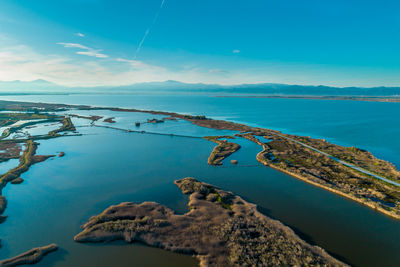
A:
[42,128]
[106,167]
[8,165]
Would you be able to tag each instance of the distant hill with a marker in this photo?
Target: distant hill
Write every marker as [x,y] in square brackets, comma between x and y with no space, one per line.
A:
[175,87]
[36,86]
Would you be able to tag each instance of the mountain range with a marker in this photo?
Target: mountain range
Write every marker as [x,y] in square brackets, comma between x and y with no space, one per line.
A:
[176,87]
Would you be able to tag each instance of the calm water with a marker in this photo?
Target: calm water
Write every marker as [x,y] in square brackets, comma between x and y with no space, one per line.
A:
[370,125]
[106,167]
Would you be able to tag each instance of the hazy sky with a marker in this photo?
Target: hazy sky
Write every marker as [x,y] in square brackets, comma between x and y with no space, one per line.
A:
[95,42]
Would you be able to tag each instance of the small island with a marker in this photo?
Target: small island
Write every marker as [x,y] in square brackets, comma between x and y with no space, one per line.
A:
[18,180]
[30,257]
[109,120]
[223,150]
[154,120]
[220,228]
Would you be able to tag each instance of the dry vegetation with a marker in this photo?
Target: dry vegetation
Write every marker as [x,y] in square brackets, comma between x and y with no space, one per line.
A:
[93,118]
[109,120]
[9,150]
[10,118]
[30,257]
[67,125]
[221,229]
[223,150]
[318,169]
[353,155]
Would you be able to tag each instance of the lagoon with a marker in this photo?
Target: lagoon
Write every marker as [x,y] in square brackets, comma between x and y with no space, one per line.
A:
[106,167]
[373,126]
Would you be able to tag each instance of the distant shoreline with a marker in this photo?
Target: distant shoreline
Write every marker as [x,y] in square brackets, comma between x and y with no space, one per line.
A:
[312,97]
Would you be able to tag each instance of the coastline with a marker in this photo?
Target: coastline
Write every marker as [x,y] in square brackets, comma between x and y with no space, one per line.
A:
[254,151]
[373,205]
[202,121]
[348,196]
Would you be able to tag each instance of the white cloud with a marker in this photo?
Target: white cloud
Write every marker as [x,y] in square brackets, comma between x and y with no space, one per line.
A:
[73,45]
[137,64]
[20,62]
[90,51]
[236,51]
[130,61]
[217,71]
[80,34]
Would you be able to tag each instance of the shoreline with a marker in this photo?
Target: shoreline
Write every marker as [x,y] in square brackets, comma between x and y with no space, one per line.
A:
[373,205]
[332,190]
[202,121]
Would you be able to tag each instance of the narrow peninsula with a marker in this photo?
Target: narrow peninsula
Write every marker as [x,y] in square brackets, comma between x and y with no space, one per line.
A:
[30,257]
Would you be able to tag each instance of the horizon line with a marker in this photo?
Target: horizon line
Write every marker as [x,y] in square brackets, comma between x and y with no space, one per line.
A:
[199,83]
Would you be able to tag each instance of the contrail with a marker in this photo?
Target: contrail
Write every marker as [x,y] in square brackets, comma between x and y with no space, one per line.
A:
[149,29]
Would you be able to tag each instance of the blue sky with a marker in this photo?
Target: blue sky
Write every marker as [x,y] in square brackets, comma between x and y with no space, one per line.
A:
[94,42]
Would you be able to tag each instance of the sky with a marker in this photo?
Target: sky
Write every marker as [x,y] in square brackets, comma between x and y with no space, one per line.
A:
[104,42]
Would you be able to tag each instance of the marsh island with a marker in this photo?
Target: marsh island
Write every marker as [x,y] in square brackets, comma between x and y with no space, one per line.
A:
[220,228]
[30,257]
